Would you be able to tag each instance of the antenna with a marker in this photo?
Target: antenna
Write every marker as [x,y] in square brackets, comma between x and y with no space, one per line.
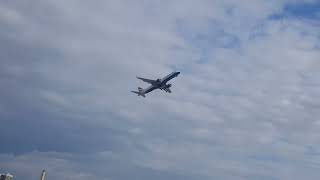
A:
[43,174]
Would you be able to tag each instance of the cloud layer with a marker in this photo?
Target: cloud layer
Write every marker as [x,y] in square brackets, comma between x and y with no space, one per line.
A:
[245,106]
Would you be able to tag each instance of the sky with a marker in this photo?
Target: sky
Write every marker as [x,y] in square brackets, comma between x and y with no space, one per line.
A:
[246,105]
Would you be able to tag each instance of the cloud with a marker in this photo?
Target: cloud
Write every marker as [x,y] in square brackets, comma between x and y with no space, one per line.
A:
[30,165]
[244,107]
[104,165]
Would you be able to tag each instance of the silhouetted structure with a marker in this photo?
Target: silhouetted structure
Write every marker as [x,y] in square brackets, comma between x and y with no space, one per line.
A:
[43,174]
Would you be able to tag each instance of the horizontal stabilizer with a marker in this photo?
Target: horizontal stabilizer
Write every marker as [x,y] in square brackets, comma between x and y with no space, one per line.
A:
[135,92]
[139,93]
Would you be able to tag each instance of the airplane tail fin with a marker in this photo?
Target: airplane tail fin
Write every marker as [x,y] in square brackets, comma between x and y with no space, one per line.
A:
[139,92]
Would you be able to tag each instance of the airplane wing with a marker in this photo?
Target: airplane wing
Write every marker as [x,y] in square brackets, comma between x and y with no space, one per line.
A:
[150,81]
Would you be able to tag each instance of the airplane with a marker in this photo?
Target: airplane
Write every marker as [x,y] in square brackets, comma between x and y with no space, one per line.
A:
[156,84]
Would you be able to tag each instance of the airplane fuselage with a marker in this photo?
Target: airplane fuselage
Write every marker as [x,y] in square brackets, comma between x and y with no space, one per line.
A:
[157,84]
[161,83]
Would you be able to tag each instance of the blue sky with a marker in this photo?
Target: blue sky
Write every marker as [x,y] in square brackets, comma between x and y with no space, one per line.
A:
[303,10]
[244,107]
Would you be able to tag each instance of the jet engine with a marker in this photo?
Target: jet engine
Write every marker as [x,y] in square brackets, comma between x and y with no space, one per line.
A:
[166,88]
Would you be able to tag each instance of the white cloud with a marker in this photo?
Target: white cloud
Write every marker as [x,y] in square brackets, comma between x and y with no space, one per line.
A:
[30,166]
[244,111]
